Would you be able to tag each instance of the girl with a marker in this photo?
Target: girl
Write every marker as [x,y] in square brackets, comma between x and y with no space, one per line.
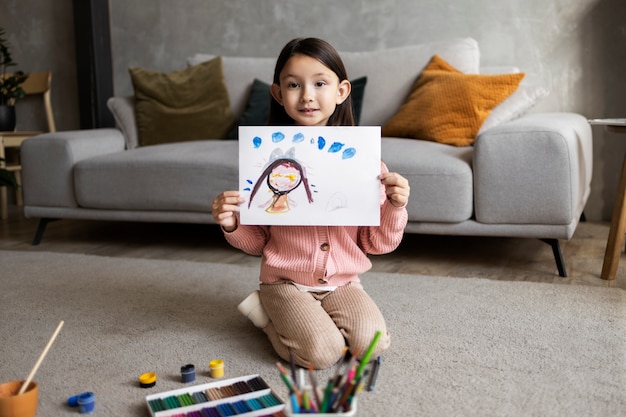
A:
[310,293]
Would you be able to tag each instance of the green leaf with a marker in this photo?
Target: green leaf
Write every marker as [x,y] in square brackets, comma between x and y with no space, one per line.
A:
[7,178]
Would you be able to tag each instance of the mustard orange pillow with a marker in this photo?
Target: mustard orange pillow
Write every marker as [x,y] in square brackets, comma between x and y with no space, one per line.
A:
[448,106]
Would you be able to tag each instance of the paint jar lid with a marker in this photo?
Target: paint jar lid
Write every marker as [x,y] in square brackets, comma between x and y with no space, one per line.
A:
[216,364]
[86,397]
[187,368]
[73,401]
[147,380]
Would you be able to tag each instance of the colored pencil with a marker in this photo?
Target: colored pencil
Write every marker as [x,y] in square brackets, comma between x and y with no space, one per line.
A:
[314,387]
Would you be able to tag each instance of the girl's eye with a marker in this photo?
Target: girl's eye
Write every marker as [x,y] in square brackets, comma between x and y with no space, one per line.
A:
[320,84]
[292,85]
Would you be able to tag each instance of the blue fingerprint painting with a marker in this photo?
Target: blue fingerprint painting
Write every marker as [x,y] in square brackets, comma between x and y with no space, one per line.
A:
[310,175]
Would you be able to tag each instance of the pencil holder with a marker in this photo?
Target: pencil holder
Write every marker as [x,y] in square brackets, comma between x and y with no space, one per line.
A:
[289,412]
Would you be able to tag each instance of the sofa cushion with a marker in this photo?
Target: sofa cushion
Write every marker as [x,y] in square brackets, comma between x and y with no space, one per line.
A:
[239,72]
[168,177]
[514,106]
[358,95]
[391,72]
[257,109]
[123,110]
[440,177]
[448,106]
[190,104]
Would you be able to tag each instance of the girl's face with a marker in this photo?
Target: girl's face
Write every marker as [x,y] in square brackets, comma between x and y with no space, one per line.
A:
[309,91]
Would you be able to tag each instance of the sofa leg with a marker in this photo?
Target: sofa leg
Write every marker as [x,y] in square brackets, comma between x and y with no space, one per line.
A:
[43,222]
[558,255]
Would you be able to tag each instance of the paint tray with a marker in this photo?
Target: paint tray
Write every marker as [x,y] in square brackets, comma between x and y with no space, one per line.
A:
[247,396]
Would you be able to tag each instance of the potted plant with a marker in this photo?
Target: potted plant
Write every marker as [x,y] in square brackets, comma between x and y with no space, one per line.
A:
[10,86]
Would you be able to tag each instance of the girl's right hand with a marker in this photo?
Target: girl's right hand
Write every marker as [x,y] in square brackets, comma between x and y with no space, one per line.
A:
[225,209]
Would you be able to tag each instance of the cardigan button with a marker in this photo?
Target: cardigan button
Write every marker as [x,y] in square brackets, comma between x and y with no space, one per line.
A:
[325,247]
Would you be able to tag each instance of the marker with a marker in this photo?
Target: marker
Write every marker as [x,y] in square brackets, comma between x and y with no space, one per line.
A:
[377,362]
[368,354]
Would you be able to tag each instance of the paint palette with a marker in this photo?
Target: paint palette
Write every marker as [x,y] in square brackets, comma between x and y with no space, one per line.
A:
[247,396]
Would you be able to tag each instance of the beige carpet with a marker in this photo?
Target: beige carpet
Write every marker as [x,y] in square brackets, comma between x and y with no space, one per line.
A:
[460,347]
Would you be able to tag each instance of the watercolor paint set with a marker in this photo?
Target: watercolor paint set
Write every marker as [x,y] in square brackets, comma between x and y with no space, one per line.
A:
[246,396]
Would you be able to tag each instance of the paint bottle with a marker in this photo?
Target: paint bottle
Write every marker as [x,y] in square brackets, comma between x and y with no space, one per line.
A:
[216,366]
[86,402]
[188,373]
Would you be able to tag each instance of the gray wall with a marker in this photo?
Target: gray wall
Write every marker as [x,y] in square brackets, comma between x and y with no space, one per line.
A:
[576,49]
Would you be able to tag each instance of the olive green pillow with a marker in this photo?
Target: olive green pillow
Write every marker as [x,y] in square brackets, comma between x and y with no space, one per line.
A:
[190,104]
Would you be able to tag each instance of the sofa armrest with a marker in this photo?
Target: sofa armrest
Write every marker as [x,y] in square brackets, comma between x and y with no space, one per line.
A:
[533,170]
[48,161]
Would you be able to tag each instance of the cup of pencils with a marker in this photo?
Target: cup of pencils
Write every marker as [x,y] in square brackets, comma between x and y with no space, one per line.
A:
[338,397]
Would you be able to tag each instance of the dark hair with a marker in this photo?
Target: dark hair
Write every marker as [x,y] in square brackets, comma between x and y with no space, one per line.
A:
[328,56]
[266,174]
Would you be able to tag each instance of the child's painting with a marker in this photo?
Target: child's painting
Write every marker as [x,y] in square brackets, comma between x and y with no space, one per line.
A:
[307,175]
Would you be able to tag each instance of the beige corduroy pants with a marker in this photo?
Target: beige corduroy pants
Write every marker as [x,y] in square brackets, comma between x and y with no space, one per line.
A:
[316,327]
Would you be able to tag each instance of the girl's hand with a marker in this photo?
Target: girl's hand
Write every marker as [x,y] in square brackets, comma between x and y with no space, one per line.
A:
[396,187]
[225,209]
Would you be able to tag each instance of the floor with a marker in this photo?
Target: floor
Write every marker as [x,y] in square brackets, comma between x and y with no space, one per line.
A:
[482,257]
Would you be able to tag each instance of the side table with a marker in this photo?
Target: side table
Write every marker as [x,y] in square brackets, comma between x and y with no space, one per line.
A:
[11,140]
[618,221]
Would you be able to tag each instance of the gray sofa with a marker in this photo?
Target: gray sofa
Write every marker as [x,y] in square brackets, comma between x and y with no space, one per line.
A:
[527,177]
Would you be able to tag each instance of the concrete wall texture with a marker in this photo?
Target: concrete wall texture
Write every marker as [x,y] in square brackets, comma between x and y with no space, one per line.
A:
[576,49]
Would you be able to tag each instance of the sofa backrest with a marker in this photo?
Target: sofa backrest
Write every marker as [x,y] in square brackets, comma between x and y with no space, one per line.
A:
[390,73]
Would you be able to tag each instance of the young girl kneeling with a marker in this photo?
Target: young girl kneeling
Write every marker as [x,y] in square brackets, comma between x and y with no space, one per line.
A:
[310,289]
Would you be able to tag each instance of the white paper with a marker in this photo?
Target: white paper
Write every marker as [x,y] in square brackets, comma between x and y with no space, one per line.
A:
[339,165]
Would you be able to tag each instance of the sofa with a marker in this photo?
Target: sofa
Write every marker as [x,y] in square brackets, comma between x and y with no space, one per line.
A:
[525,174]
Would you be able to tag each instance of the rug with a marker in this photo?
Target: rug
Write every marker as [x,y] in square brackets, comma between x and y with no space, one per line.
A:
[460,346]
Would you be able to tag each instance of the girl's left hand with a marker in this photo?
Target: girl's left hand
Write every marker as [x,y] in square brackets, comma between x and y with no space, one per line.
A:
[396,187]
